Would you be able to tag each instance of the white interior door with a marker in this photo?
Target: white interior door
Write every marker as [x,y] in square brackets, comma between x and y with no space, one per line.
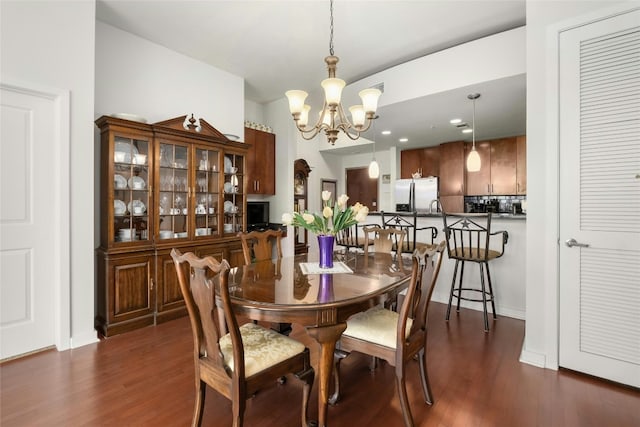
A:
[600,198]
[28,222]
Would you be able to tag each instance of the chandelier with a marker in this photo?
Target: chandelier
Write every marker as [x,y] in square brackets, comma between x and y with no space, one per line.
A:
[473,160]
[332,118]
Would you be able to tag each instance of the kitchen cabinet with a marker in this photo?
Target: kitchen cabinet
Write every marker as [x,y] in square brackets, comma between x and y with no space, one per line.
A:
[521,165]
[451,181]
[174,184]
[425,161]
[498,172]
[261,162]
[479,183]
[503,166]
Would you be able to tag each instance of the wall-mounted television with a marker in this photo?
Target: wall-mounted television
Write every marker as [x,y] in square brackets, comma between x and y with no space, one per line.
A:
[257,215]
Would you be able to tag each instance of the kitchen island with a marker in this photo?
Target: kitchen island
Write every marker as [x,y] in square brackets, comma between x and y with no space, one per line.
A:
[507,272]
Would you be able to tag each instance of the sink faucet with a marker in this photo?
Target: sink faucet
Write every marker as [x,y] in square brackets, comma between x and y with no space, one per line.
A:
[431,205]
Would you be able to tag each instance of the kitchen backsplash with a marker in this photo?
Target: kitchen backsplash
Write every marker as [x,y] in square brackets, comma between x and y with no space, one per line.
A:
[501,204]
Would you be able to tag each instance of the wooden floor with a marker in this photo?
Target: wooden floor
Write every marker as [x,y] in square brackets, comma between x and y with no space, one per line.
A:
[145,378]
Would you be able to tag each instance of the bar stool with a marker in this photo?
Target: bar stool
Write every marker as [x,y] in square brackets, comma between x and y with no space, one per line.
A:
[468,238]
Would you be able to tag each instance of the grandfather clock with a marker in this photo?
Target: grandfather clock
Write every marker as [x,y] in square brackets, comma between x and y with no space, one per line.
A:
[301,172]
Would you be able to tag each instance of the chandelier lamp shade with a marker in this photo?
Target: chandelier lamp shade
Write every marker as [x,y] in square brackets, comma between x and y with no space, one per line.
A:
[473,159]
[332,118]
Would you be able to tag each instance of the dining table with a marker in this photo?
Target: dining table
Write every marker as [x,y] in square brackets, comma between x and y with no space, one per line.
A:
[296,290]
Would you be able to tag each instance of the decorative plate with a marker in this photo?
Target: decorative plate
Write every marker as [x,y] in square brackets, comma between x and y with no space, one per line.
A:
[126,148]
[119,207]
[228,166]
[228,206]
[136,204]
[136,183]
[228,188]
[127,116]
[119,182]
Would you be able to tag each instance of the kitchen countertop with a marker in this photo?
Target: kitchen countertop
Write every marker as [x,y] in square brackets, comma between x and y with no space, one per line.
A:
[438,215]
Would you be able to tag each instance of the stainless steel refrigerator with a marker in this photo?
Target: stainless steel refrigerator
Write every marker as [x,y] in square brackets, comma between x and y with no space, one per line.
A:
[416,194]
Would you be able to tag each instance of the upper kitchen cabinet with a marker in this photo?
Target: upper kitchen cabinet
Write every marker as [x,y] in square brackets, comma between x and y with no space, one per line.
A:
[503,166]
[261,172]
[479,183]
[425,161]
[498,172]
[451,180]
[521,165]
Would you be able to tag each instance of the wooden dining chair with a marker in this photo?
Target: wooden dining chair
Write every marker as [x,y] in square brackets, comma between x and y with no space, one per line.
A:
[397,337]
[239,363]
[351,238]
[383,240]
[409,223]
[258,245]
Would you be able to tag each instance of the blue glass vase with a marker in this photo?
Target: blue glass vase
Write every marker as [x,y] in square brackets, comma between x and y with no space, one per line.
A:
[325,248]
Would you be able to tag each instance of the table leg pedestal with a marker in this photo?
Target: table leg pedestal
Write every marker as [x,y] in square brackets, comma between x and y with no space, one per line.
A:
[326,336]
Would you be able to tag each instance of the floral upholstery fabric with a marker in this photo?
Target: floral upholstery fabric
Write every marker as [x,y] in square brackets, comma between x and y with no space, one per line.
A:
[377,325]
[262,348]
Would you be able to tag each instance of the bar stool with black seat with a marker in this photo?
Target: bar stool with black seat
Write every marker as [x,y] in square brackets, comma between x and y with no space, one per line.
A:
[470,239]
[410,226]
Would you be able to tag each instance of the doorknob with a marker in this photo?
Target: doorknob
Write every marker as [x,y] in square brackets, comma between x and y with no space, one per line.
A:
[573,242]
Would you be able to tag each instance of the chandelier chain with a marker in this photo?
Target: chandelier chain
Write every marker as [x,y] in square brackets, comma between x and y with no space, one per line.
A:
[331,27]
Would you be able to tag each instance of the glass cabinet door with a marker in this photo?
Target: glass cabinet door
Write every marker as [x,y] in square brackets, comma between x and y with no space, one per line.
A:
[233,193]
[173,191]
[131,158]
[206,191]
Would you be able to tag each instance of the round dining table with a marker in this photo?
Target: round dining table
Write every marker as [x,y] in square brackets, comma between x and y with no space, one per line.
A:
[295,290]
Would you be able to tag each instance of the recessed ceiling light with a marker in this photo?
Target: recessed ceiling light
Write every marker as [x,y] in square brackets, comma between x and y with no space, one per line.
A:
[467,130]
[455,121]
[386,132]
[403,139]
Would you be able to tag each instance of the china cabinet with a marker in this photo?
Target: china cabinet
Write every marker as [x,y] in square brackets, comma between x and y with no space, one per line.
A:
[177,183]
[301,172]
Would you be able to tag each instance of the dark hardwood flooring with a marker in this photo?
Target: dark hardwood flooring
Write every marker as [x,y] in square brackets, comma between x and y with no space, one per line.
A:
[145,378]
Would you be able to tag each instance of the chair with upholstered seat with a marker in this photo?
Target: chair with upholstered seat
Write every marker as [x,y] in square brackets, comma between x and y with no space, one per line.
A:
[470,239]
[383,240]
[249,357]
[409,223]
[397,337]
[258,245]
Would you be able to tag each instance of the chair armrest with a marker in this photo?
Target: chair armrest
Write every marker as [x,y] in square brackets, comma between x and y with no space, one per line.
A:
[434,231]
[505,238]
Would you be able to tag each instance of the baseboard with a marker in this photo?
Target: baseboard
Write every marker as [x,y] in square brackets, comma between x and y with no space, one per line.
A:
[532,358]
[84,339]
[501,311]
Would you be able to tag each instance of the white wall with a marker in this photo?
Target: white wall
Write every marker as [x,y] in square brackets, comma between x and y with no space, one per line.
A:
[136,76]
[543,18]
[52,44]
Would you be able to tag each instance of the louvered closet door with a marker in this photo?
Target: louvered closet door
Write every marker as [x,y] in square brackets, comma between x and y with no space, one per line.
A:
[600,198]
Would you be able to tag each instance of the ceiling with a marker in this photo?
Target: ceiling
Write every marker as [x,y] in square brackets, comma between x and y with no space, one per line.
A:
[280,45]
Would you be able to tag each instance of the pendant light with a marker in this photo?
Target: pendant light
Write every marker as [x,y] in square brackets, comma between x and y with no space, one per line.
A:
[473,159]
[374,169]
